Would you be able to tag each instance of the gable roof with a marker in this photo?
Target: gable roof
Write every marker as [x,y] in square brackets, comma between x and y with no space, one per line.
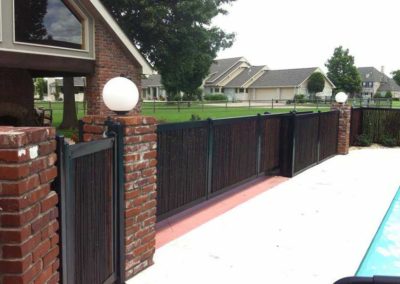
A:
[221,67]
[389,85]
[283,78]
[113,25]
[152,81]
[244,76]
[371,74]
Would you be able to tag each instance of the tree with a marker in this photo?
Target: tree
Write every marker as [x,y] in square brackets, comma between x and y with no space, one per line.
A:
[388,95]
[316,83]
[343,73]
[40,87]
[176,37]
[396,76]
[70,119]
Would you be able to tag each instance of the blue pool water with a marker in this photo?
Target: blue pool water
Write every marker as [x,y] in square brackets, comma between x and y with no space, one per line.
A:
[383,255]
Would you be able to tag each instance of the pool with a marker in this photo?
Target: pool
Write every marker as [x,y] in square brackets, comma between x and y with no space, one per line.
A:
[383,255]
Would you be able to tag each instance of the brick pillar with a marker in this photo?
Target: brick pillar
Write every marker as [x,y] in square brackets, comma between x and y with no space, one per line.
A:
[28,213]
[344,127]
[140,141]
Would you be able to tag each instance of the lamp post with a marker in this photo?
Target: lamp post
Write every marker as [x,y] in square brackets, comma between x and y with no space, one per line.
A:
[120,95]
[341,98]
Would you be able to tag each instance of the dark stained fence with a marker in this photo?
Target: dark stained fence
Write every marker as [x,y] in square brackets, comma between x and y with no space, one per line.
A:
[306,141]
[234,152]
[328,132]
[377,124]
[356,125]
[271,142]
[198,160]
[182,165]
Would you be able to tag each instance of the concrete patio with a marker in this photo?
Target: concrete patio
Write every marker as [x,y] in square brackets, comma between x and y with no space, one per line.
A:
[314,228]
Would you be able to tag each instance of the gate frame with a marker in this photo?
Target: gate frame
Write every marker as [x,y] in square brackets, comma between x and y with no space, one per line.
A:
[113,134]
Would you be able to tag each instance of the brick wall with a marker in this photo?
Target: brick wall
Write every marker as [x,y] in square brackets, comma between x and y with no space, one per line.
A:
[16,97]
[28,213]
[112,60]
[344,127]
[140,141]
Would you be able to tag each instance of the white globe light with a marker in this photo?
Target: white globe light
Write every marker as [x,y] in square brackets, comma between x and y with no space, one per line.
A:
[120,95]
[341,98]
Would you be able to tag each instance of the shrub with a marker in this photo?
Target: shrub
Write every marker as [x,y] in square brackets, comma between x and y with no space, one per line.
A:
[300,99]
[396,99]
[195,117]
[377,96]
[388,95]
[215,97]
[388,141]
[363,140]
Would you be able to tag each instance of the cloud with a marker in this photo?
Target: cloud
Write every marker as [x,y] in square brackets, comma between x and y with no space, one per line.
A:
[61,24]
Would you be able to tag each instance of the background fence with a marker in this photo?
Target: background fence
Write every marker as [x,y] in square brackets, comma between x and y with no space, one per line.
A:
[375,124]
[157,106]
[199,160]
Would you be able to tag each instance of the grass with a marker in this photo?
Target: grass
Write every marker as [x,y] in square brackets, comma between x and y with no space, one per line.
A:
[167,114]
[172,115]
[58,108]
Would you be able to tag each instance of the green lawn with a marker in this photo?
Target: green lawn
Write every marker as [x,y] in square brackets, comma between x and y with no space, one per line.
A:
[165,113]
[172,115]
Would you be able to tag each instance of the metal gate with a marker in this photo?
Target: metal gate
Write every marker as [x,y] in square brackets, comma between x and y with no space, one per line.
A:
[90,188]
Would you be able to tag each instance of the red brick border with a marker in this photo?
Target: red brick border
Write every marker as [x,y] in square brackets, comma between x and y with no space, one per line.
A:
[28,213]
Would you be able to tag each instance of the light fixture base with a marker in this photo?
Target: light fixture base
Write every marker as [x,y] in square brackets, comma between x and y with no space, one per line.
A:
[121,112]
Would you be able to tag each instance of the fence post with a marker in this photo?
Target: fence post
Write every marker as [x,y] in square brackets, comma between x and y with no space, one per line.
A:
[272,103]
[154,105]
[344,127]
[179,106]
[116,130]
[249,103]
[258,152]
[319,137]
[210,157]
[294,126]
[295,103]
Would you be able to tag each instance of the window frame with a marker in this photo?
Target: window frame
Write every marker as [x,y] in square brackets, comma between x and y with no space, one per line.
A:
[77,12]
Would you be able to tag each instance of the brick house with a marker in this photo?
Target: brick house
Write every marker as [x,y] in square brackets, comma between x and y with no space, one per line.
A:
[60,39]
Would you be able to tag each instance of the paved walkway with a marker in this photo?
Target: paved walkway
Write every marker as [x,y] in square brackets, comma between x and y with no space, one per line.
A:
[314,228]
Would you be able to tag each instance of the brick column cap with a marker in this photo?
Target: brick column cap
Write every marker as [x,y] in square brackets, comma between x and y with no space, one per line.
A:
[16,137]
[133,120]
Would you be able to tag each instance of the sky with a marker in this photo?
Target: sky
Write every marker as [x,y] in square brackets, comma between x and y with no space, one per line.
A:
[285,34]
[60,23]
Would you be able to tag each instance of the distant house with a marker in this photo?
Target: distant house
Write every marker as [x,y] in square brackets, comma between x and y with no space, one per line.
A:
[152,88]
[285,84]
[377,82]
[238,80]
[222,72]
[53,84]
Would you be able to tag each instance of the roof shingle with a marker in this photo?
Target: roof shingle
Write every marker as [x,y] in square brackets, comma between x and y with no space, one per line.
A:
[281,78]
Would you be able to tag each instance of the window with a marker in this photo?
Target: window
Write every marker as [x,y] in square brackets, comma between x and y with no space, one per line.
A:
[47,22]
[370,84]
[364,84]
